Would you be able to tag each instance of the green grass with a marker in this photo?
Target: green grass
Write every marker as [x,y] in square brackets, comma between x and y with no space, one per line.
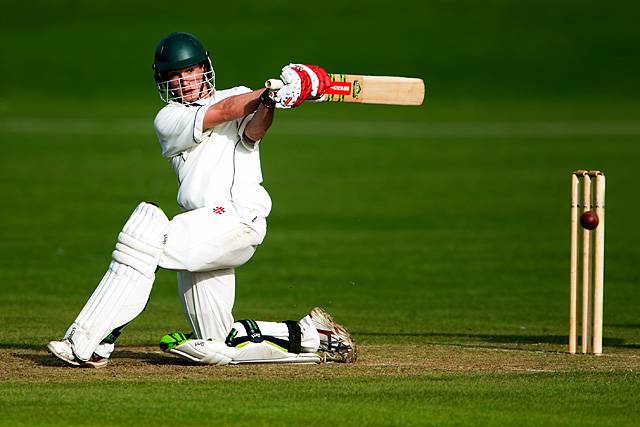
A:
[440,230]
[434,399]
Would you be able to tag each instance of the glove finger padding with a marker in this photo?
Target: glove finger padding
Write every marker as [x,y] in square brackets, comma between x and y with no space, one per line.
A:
[297,87]
[320,78]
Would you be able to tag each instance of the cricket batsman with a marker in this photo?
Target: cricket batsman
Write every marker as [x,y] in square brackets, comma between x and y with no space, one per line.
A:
[212,139]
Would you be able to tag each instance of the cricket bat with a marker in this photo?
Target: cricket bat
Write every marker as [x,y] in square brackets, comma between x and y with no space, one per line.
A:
[368,89]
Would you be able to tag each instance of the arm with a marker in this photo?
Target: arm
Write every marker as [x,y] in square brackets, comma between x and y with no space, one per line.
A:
[178,131]
[261,120]
[231,108]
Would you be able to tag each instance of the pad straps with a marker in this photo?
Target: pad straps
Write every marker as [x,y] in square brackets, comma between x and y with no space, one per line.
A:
[292,345]
[295,336]
[253,331]
[253,334]
[114,334]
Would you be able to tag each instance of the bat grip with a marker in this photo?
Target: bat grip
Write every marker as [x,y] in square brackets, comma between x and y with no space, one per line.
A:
[273,84]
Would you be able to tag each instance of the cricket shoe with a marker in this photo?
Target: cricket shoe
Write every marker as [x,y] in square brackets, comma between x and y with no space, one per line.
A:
[336,344]
[63,351]
[174,339]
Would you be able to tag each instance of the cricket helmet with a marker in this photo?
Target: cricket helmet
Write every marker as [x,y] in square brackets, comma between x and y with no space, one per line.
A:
[177,51]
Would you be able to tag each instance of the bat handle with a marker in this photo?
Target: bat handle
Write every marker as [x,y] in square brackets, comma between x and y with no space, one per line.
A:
[273,84]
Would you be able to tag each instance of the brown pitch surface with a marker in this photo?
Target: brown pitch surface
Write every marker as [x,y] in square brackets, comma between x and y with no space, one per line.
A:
[128,362]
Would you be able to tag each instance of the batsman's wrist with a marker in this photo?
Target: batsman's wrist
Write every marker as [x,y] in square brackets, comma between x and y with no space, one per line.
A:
[266,100]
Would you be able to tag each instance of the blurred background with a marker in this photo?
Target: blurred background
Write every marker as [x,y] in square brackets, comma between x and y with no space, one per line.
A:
[441,223]
[469,52]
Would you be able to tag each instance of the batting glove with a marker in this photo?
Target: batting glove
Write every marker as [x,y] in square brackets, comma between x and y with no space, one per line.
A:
[297,87]
[320,80]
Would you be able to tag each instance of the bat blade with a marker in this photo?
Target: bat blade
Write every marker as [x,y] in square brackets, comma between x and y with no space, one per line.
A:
[369,89]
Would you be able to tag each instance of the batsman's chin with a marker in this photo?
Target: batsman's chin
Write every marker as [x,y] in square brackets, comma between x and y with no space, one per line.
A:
[190,96]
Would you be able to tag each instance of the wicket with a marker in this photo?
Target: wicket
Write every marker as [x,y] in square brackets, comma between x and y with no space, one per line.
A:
[592,272]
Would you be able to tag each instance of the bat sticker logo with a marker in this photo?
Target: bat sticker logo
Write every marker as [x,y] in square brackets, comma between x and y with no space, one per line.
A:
[356,88]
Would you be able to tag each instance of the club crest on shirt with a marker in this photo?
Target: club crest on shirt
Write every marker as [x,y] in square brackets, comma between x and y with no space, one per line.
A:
[218,210]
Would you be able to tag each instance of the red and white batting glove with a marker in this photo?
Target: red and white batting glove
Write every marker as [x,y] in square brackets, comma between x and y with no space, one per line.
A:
[297,87]
[301,82]
[320,80]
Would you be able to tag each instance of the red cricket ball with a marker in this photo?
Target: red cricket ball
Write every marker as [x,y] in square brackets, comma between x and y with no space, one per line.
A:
[589,220]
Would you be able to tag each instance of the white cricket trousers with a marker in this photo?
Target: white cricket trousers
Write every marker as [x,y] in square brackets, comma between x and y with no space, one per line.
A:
[205,246]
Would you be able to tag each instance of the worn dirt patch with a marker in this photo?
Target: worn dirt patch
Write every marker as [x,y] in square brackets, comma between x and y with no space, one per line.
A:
[131,363]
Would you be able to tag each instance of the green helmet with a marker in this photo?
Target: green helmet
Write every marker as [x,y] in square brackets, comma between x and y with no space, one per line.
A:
[177,51]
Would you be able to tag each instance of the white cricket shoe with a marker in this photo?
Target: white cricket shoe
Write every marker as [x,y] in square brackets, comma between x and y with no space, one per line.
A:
[336,344]
[63,351]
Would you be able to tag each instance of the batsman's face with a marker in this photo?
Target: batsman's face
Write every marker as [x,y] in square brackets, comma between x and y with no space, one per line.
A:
[188,83]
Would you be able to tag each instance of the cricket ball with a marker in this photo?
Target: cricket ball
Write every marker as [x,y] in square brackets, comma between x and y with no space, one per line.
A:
[589,220]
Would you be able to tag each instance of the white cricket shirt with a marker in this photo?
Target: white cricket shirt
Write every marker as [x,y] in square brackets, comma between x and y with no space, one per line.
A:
[212,165]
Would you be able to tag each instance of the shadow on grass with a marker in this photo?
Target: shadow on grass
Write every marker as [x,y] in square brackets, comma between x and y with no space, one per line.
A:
[499,339]
[22,346]
[624,325]
[159,359]
[41,359]
[446,338]
[150,358]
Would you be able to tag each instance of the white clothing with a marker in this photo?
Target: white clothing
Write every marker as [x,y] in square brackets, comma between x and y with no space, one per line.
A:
[273,348]
[225,220]
[207,301]
[212,238]
[212,165]
[124,289]
[205,245]
[220,187]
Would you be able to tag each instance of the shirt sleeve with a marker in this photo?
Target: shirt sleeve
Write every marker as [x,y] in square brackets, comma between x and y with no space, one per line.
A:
[179,128]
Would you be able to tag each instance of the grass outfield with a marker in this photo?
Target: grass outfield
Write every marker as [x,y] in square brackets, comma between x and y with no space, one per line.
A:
[439,235]
[447,256]
[395,389]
